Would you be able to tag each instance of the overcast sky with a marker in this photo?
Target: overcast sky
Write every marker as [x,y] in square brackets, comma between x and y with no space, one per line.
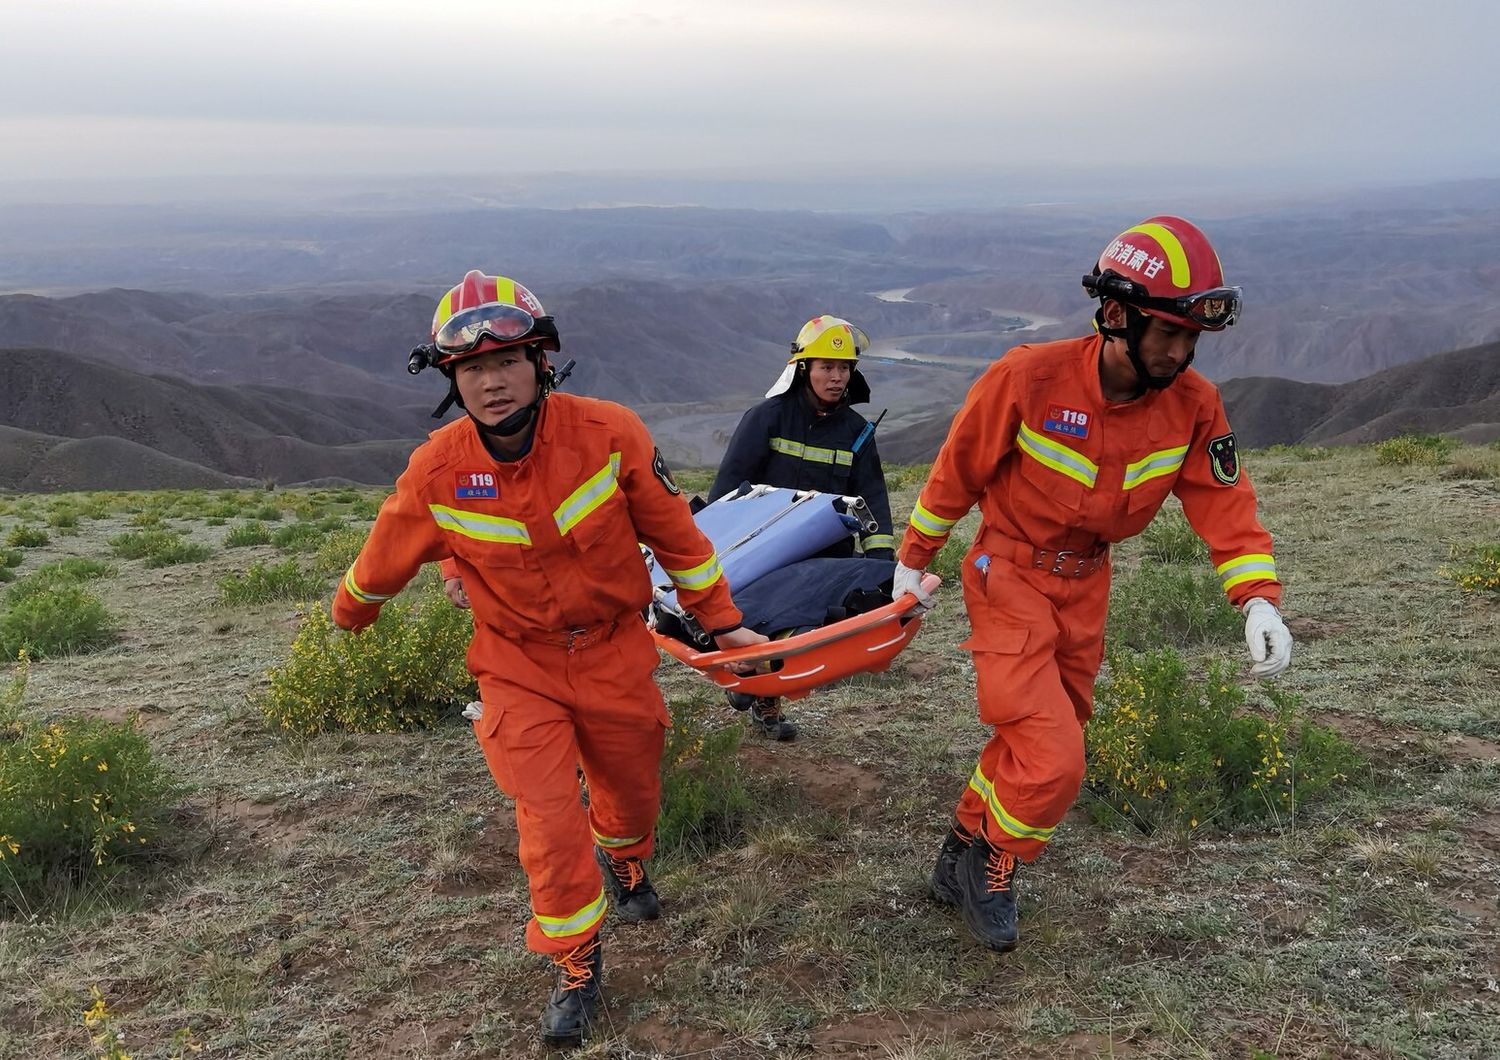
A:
[811,89]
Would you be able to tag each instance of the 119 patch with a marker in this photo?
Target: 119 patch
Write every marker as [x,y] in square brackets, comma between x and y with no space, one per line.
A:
[475,485]
[1063,420]
[1224,458]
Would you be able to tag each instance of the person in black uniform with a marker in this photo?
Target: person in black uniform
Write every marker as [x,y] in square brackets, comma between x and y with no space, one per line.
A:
[806,435]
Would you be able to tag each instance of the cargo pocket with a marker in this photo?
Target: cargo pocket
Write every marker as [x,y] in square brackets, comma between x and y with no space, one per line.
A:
[998,640]
[998,651]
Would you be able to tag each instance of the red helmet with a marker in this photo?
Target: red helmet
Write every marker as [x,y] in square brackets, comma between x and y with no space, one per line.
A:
[486,313]
[1166,267]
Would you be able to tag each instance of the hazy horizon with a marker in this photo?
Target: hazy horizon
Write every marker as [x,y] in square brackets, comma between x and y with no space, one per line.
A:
[879,104]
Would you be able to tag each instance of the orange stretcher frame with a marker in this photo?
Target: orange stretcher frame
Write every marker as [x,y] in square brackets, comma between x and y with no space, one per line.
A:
[795,666]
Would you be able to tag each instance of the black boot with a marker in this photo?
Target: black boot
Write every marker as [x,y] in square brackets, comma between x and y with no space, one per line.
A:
[945,873]
[766,718]
[987,894]
[630,888]
[575,997]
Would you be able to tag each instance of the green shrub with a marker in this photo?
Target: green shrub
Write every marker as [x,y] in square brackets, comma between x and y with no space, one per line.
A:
[1169,606]
[406,670]
[261,584]
[1415,449]
[179,551]
[158,547]
[138,544]
[948,563]
[77,797]
[1477,568]
[57,620]
[1170,539]
[11,557]
[49,576]
[268,513]
[1166,750]
[367,508]
[337,552]
[24,536]
[150,519]
[7,575]
[246,534]
[913,475]
[63,518]
[704,801]
[299,537]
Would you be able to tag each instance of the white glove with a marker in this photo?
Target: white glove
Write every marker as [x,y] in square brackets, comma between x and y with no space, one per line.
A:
[474,711]
[910,581]
[1269,640]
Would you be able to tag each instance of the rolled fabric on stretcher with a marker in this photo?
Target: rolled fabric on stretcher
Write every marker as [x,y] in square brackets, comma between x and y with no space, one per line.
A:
[760,529]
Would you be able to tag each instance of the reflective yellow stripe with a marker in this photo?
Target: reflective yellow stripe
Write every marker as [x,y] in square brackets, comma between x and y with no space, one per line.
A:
[699,577]
[1182,276]
[812,453]
[556,927]
[1154,465]
[358,593]
[600,487]
[1053,454]
[986,791]
[1256,566]
[480,527]
[875,541]
[612,842]
[929,524]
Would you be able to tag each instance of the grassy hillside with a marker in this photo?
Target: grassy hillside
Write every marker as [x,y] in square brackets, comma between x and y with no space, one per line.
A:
[353,895]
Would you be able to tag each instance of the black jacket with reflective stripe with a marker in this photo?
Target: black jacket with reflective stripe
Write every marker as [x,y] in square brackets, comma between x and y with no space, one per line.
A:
[784,442]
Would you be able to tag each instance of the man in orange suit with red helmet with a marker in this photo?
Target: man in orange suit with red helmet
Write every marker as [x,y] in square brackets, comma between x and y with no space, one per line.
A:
[541,499]
[1066,447]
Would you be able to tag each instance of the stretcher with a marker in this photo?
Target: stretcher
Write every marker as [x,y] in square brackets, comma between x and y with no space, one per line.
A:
[759,529]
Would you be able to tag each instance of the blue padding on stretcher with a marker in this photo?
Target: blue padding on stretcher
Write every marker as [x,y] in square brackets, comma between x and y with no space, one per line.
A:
[757,534]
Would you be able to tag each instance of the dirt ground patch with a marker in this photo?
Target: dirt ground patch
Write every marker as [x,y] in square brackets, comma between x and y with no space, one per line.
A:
[834,784]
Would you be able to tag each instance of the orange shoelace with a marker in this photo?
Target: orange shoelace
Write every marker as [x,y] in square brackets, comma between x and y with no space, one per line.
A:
[575,964]
[998,870]
[628,871]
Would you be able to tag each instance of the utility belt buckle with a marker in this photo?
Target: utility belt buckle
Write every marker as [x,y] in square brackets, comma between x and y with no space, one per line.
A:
[1070,562]
[587,636]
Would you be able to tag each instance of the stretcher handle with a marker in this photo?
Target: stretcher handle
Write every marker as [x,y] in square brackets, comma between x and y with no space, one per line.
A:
[759,653]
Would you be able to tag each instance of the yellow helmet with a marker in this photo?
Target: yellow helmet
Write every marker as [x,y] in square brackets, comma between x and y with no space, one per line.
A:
[829,338]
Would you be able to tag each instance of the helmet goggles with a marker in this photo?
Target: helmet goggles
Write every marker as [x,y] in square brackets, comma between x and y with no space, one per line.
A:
[495,321]
[1211,310]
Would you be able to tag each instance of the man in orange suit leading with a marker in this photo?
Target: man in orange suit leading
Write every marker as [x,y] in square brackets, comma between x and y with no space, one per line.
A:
[1066,447]
[541,499]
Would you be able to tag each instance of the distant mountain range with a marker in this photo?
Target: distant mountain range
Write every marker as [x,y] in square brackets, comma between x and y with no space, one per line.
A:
[1456,393]
[1448,393]
[287,358]
[69,423]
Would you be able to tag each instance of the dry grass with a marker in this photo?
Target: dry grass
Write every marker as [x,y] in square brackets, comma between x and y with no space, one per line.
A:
[360,895]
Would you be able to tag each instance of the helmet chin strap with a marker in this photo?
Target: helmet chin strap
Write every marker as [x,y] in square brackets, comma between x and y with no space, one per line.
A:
[1135,327]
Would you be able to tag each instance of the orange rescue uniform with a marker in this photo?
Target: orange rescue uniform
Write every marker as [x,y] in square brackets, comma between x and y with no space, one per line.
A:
[547,549]
[1059,472]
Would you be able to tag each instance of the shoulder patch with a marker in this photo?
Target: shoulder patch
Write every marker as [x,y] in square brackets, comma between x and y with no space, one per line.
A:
[660,470]
[1224,458]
